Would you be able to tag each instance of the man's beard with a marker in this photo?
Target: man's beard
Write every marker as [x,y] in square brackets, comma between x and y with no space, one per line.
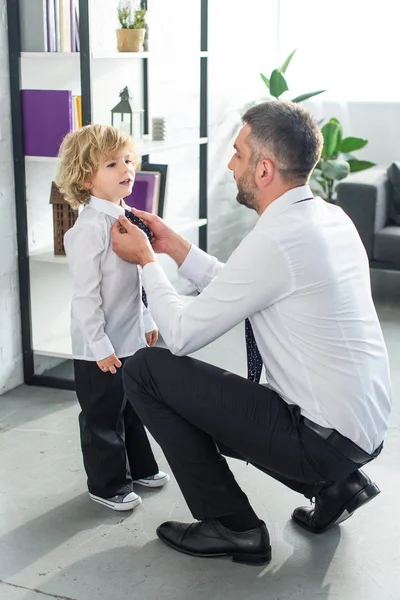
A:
[247,190]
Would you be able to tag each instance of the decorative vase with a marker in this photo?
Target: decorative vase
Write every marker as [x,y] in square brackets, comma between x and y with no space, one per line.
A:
[130,40]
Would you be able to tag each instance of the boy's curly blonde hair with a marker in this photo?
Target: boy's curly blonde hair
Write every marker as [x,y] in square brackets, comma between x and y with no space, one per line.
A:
[80,155]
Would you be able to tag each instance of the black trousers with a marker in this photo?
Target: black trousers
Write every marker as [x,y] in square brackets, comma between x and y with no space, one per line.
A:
[115,445]
[198,412]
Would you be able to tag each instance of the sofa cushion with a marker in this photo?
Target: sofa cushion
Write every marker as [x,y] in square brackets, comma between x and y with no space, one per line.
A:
[387,244]
[393,173]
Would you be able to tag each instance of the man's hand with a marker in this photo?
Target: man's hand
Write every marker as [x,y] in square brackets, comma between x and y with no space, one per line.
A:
[132,244]
[162,234]
[111,363]
[165,240]
[152,337]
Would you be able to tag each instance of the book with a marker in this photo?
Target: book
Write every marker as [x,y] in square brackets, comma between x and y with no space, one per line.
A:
[72,25]
[57,24]
[65,26]
[51,26]
[145,192]
[47,117]
[33,25]
[162,169]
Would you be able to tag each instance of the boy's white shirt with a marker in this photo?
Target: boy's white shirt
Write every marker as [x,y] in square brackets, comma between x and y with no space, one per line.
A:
[107,312]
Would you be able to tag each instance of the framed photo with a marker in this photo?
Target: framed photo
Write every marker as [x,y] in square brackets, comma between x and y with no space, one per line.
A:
[163,170]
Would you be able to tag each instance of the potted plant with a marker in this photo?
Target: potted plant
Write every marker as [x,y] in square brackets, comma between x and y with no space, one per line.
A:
[133,27]
[277,84]
[337,160]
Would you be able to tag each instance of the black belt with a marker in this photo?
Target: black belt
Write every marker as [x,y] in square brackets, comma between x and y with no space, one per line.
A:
[342,443]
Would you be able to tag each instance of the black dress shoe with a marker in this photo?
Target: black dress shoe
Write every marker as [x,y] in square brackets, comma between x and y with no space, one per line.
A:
[337,503]
[210,538]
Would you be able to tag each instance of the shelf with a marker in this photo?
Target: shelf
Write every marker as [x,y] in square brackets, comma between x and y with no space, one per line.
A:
[51,55]
[47,256]
[179,224]
[58,347]
[118,55]
[94,55]
[145,147]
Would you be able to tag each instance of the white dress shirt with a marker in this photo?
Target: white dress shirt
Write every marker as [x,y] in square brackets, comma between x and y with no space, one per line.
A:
[302,277]
[107,312]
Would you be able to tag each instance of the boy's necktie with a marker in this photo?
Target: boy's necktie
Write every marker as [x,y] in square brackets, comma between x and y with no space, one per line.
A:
[136,221]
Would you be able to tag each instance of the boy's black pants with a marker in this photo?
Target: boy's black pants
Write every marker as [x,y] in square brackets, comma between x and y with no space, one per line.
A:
[115,446]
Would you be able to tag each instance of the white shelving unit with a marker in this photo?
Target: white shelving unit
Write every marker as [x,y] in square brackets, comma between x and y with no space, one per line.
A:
[98,77]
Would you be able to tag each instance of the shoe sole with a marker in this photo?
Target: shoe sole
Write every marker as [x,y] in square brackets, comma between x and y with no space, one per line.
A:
[152,483]
[368,493]
[115,506]
[245,558]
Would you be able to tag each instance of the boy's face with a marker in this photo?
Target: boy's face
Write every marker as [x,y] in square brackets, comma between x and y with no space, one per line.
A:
[114,178]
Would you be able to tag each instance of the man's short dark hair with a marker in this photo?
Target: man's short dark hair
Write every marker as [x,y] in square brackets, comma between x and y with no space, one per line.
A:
[288,133]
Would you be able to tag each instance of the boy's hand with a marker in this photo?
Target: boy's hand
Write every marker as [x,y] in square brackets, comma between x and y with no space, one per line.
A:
[152,337]
[111,363]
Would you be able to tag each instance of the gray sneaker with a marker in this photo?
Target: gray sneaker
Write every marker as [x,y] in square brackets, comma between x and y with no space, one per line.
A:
[119,502]
[154,481]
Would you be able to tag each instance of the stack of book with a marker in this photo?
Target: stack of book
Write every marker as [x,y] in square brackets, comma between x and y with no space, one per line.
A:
[49,25]
[48,115]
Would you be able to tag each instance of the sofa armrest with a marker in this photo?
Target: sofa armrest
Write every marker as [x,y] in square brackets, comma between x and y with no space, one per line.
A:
[365,199]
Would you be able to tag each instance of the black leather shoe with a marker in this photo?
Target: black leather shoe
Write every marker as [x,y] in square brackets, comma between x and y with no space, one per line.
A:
[337,503]
[210,538]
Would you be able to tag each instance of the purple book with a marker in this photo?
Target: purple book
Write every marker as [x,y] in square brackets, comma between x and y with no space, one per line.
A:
[47,118]
[144,194]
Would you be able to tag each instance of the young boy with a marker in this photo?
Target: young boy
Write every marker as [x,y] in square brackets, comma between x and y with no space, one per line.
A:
[109,322]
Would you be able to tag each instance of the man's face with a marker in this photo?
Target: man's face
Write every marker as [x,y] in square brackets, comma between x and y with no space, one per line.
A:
[244,170]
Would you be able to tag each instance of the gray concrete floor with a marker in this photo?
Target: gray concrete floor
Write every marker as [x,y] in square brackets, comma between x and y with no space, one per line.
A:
[55,542]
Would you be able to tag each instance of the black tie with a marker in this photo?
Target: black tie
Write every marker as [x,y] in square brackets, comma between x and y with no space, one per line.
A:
[134,219]
[254,360]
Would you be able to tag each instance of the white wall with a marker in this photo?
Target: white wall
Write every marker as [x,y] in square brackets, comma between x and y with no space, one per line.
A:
[10,345]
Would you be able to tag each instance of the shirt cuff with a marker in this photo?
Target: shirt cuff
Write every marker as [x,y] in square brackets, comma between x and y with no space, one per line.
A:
[149,324]
[101,349]
[196,264]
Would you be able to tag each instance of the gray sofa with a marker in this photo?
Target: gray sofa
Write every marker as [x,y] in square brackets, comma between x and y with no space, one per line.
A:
[367,198]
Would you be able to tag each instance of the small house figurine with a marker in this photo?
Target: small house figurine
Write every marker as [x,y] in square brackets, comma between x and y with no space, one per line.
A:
[64,218]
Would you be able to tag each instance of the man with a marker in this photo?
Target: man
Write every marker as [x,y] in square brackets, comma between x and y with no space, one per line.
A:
[302,277]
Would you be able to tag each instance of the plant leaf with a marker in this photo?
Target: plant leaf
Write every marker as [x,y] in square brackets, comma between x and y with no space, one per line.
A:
[350,144]
[332,135]
[303,97]
[359,165]
[316,173]
[265,80]
[336,169]
[287,61]
[277,83]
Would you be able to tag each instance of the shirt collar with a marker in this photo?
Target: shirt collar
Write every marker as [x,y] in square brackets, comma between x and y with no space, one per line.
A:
[107,207]
[287,199]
